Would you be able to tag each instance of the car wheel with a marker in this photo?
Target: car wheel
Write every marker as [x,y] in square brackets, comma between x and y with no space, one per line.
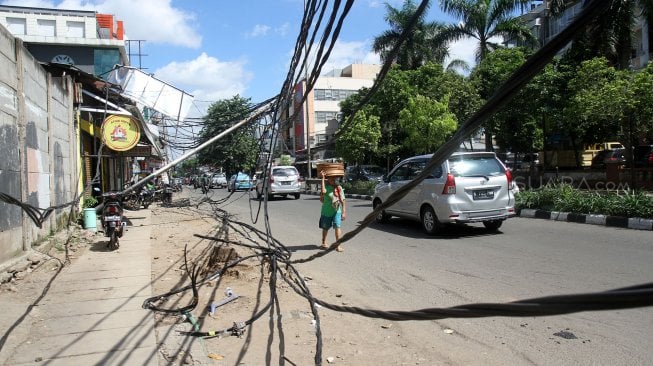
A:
[430,222]
[492,225]
[297,195]
[381,216]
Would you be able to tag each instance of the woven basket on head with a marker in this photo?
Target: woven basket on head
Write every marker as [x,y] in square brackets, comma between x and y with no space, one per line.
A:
[331,169]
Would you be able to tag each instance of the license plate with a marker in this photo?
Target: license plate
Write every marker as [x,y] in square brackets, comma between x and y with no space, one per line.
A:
[483,194]
[285,183]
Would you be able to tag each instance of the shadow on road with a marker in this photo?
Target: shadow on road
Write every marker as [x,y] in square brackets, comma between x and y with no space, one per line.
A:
[296,248]
[413,229]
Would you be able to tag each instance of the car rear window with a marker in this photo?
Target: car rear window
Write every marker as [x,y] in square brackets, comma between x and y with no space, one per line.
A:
[377,170]
[284,172]
[471,166]
[640,152]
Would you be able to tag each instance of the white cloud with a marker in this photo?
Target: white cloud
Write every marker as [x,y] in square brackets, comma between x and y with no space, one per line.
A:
[206,77]
[347,53]
[30,3]
[464,49]
[380,3]
[283,29]
[259,30]
[156,21]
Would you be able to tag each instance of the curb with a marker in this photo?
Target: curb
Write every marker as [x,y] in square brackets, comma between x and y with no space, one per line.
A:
[634,223]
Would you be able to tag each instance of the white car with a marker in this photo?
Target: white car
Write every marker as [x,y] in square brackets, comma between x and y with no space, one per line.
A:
[218,180]
[466,188]
[281,180]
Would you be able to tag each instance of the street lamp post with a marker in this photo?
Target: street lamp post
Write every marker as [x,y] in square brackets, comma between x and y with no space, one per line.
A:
[308,134]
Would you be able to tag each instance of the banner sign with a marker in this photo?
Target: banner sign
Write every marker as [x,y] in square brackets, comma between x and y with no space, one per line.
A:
[120,133]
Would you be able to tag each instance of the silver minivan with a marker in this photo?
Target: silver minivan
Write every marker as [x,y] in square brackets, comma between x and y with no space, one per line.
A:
[282,181]
[468,187]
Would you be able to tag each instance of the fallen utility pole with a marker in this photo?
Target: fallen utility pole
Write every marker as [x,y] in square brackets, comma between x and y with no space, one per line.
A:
[266,108]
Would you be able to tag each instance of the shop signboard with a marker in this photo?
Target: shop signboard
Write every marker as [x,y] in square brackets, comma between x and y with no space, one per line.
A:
[120,133]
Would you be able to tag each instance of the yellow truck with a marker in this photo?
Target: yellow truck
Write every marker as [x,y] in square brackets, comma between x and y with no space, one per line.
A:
[567,158]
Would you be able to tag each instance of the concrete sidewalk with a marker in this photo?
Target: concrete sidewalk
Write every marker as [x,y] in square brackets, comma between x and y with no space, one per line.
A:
[92,313]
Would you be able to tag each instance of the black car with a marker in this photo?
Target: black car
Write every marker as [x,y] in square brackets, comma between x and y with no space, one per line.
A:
[363,173]
[643,156]
[608,156]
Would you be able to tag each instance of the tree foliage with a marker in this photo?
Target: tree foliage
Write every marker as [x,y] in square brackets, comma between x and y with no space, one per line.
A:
[642,92]
[419,47]
[188,167]
[415,110]
[237,151]
[427,123]
[598,101]
[360,140]
[490,22]
[516,126]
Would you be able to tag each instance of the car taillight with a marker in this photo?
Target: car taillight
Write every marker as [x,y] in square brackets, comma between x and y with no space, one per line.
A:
[450,185]
[509,177]
[271,179]
[650,158]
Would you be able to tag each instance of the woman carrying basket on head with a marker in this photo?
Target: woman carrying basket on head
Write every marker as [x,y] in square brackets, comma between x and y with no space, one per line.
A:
[334,209]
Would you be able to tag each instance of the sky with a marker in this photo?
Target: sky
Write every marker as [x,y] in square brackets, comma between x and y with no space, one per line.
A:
[215,49]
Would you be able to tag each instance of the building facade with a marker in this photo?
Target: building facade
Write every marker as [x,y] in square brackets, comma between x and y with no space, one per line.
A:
[318,118]
[91,47]
[545,27]
[90,41]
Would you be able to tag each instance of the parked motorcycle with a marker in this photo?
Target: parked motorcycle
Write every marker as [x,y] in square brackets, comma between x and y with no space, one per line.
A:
[166,199]
[145,197]
[112,219]
[140,197]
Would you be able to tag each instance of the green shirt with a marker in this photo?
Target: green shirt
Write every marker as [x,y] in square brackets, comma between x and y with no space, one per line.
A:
[327,205]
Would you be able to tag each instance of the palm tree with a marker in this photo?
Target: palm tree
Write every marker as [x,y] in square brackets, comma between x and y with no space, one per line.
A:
[486,20]
[611,34]
[419,46]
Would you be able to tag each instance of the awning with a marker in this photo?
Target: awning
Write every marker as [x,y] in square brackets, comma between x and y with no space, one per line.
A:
[150,131]
[147,90]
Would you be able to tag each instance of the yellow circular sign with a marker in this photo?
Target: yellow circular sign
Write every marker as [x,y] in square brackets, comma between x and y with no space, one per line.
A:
[120,133]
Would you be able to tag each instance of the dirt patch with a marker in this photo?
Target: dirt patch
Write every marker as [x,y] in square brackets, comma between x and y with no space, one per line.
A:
[286,331]
[232,302]
[27,278]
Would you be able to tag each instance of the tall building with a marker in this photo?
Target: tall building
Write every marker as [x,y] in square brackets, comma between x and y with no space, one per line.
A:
[90,47]
[545,27]
[319,117]
[90,41]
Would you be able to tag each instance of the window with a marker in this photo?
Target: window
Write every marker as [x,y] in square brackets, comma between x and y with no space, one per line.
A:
[284,172]
[333,94]
[401,173]
[46,27]
[475,166]
[322,138]
[104,59]
[17,26]
[75,29]
[325,117]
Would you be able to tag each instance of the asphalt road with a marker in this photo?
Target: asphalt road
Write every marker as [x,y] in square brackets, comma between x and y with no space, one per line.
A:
[396,267]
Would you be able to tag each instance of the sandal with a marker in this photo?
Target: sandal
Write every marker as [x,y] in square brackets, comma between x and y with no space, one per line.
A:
[339,248]
[324,246]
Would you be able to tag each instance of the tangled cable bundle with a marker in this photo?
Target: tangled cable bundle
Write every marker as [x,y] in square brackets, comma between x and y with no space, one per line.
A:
[275,256]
